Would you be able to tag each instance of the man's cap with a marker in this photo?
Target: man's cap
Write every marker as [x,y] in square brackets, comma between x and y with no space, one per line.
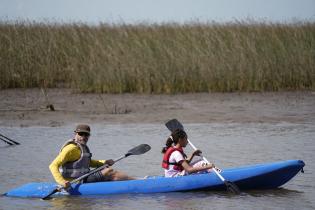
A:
[83,128]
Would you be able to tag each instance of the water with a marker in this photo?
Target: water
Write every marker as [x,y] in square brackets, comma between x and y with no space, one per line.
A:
[227,145]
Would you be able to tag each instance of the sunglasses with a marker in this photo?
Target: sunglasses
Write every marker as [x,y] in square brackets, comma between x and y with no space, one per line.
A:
[83,134]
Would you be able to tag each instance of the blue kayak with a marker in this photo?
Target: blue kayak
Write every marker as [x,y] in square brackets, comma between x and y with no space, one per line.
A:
[261,176]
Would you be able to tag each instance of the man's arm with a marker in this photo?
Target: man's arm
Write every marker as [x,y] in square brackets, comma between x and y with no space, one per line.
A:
[68,154]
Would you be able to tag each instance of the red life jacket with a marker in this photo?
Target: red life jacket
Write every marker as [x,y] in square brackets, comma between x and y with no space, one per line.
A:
[167,155]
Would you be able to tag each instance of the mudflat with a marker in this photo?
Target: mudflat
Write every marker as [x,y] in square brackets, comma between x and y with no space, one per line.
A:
[29,107]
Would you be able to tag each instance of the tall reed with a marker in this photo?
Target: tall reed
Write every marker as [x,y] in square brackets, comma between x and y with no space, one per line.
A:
[151,58]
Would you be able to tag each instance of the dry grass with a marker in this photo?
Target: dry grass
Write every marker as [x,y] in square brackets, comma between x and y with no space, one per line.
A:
[169,58]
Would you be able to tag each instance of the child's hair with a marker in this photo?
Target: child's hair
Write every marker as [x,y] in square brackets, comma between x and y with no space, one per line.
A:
[174,138]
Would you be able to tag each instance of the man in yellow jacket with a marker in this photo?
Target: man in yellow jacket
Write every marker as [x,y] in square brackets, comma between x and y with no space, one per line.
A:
[75,160]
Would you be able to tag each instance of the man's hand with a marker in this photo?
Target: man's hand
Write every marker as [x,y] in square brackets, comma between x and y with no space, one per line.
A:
[110,162]
[67,184]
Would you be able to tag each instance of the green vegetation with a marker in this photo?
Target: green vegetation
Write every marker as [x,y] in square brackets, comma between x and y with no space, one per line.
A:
[149,58]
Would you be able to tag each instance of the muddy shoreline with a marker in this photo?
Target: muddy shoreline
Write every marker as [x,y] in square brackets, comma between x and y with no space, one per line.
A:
[28,107]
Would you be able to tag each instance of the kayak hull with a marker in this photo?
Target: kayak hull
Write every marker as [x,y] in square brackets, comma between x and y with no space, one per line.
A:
[260,176]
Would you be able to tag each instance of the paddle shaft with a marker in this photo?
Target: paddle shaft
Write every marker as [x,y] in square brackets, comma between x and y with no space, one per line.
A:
[94,170]
[8,139]
[175,124]
[57,189]
[135,151]
[205,159]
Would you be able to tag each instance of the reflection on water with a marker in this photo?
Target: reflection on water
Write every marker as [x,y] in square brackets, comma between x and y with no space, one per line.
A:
[280,192]
[227,145]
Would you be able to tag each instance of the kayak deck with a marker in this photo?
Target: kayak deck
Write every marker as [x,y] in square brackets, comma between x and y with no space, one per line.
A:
[260,176]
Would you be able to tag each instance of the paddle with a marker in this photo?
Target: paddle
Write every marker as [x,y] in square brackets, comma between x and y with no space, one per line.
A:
[6,141]
[138,150]
[230,186]
[4,137]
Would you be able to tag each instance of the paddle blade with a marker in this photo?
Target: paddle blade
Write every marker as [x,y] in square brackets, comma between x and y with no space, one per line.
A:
[173,125]
[231,187]
[139,150]
[47,197]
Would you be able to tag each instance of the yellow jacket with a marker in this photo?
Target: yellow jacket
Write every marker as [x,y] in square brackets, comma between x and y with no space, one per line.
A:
[69,153]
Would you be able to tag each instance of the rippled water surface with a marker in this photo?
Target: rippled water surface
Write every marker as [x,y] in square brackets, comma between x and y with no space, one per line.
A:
[227,145]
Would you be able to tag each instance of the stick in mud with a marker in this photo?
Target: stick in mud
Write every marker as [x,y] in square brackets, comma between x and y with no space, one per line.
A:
[49,105]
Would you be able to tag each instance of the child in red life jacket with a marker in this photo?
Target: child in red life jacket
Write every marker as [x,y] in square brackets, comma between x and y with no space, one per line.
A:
[175,161]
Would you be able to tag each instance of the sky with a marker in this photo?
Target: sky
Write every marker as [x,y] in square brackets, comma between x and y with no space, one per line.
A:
[157,11]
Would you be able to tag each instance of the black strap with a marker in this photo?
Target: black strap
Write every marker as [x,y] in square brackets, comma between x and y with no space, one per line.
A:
[175,164]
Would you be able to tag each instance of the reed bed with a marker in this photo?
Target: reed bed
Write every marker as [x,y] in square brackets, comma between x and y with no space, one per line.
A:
[164,58]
